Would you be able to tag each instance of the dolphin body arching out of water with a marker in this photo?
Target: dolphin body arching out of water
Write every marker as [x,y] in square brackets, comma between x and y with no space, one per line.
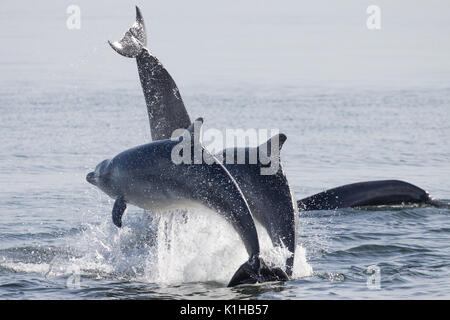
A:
[167,113]
[267,199]
[147,177]
[269,196]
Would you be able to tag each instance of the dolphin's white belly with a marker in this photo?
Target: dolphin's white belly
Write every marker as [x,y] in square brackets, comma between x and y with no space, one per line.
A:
[161,204]
[150,197]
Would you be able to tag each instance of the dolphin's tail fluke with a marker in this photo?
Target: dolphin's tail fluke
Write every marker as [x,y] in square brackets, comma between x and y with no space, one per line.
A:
[255,270]
[134,40]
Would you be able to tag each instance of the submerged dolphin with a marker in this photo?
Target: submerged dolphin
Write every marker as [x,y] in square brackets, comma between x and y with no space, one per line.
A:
[369,193]
[268,196]
[147,177]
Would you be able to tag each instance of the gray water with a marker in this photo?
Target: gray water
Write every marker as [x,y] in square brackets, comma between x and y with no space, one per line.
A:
[355,104]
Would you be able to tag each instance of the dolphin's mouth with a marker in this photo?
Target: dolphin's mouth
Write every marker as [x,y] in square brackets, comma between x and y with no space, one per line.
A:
[91,178]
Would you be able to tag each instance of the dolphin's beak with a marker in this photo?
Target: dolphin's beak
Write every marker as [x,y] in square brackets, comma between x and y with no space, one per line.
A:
[91,178]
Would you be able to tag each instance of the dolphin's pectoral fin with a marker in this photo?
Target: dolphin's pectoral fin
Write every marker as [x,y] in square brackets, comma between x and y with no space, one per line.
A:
[256,270]
[118,210]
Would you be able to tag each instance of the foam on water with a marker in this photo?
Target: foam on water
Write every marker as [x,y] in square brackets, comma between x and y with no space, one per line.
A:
[176,246]
[166,248]
[25,267]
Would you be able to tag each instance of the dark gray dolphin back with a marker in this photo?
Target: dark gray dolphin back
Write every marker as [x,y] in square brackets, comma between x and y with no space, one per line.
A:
[165,107]
[270,200]
[214,186]
[369,193]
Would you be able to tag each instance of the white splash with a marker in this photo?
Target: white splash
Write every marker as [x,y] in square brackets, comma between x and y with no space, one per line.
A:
[166,248]
[176,246]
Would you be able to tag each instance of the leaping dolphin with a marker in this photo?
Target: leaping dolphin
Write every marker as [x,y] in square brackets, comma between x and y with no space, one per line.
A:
[167,113]
[147,177]
[269,196]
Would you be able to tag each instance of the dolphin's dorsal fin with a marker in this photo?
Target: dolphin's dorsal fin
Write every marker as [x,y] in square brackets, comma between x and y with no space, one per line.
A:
[279,139]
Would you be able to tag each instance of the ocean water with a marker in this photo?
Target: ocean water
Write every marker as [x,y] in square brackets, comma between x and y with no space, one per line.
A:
[355,106]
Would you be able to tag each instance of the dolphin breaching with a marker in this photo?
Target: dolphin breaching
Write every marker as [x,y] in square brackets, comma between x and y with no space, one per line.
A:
[164,173]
